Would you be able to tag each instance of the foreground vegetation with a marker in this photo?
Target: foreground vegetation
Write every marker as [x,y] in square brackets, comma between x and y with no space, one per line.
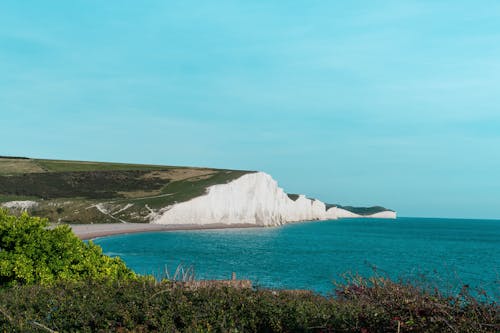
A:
[143,306]
[52,281]
[32,253]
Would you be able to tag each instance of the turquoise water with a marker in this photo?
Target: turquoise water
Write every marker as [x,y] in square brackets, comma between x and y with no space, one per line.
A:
[450,252]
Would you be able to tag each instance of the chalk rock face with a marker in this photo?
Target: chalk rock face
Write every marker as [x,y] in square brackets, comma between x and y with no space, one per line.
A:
[332,213]
[254,198]
[23,205]
[384,215]
[343,213]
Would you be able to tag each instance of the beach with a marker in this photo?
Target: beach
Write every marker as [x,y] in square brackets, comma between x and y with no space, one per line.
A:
[89,231]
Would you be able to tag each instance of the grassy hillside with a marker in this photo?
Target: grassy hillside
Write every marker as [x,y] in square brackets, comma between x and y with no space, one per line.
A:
[95,192]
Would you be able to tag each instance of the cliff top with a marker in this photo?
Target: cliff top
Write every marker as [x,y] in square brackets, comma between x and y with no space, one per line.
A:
[84,192]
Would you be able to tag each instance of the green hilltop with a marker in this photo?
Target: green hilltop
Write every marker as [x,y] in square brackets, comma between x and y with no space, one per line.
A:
[96,192]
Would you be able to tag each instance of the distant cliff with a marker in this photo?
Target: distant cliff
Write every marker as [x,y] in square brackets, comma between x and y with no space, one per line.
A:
[350,211]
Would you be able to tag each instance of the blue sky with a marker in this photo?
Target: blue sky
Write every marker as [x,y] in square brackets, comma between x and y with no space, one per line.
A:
[394,103]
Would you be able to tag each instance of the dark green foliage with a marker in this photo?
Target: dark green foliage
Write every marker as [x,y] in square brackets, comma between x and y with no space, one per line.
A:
[144,306]
[92,184]
[292,196]
[15,157]
[31,252]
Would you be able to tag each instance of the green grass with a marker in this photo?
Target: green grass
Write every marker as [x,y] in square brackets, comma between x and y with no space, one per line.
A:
[15,165]
[91,184]
[11,166]
[66,166]
[184,190]
[92,180]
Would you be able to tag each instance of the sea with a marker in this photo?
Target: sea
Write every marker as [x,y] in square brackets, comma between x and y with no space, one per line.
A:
[318,255]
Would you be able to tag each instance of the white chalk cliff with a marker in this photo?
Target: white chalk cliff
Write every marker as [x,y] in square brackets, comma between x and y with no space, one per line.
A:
[254,198]
[342,213]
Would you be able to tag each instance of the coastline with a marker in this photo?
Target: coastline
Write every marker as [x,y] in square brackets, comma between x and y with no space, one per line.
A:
[91,231]
[95,230]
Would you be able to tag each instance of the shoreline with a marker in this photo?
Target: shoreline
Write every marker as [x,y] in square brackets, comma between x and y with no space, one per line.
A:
[91,231]
[96,230]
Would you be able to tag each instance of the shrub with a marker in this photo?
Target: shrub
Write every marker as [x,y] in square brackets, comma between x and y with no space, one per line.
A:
[145,306]
[32,252]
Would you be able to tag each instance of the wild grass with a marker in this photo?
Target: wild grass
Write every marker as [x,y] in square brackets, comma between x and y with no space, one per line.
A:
[9,166]
[182,273]
[92,185]
[65,190]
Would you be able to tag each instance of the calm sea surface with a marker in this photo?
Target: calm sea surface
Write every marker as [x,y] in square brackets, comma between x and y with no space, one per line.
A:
[450,252]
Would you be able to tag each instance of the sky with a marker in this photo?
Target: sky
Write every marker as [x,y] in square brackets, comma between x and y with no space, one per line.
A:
[392,103]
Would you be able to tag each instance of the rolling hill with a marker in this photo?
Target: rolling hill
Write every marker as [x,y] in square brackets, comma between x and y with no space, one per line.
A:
[84,192]
[97,192]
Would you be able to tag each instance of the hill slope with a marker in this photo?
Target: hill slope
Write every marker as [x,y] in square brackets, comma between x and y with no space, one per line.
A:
[84,192]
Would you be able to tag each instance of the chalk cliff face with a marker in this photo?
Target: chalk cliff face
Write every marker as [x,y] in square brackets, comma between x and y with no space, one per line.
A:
[384,215]
[254,198]
[343,213]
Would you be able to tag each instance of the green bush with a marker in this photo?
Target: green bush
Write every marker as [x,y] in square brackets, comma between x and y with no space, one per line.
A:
[32,252]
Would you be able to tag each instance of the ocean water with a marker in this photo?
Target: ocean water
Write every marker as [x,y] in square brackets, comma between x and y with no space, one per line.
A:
[311,255]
